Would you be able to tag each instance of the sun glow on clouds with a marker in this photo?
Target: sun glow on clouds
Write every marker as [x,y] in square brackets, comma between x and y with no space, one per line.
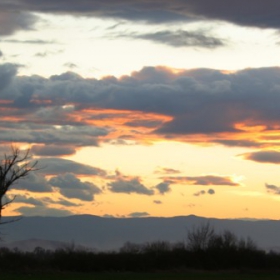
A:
[140,121]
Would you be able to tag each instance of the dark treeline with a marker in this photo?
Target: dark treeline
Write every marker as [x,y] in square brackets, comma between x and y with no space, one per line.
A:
[203,249]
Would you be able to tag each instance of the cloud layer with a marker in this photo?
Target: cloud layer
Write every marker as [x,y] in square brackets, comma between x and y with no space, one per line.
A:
[262,14]
[190,105]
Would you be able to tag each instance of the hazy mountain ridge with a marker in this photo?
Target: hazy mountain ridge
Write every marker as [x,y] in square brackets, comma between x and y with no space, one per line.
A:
[111,233]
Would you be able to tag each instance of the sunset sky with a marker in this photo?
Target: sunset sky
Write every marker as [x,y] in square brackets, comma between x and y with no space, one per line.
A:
[138,108]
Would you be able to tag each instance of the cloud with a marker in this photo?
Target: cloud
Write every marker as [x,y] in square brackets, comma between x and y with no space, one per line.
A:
[53,166]
[118,9]
[36,42]
[42,201]
[211,191]
[66,134]
[129,186]
[207,180]
[7,73]
[34,182]
[166,170]
[138,214]
[71,187]
[144,123]
[70,65]
[163,187]
[273,189]
[157,202]
[203,192]
[263,14]
[26,200]
[263,156]
[12,21]
[43,211]
[241,143]
[199,193]
[52,150]
[180,38]
[60,201]
[199,105]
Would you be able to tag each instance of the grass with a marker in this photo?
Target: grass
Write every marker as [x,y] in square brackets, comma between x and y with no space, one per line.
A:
[141,276]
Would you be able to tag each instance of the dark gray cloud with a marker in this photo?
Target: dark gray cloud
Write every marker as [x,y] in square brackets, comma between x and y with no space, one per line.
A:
[72,187]
[203,192]
[181,38]
[198,102]
[7,73]
[118,9]
[212,180]
[211,191]
[61,201]
[129,186]
[34,182]
[272,189]
[138,214]
[41,201]
[263,14]
[27,200]
[144,123]
[1,53]
[66,134]
[263,156]
[52,150]
[12,20]
[199,193]
[163,187]
[43,211]
[242,143]
[55,166]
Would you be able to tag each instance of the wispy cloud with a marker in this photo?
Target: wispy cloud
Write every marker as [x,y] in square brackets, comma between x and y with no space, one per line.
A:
[43,211]
[166,170]
[56,166]
[179,38]
[207,180]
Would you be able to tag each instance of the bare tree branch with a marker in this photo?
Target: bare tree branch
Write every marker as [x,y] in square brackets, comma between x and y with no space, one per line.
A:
[14,167]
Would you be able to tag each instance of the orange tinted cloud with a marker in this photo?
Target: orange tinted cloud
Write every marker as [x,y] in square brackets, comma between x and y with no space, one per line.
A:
[207,180]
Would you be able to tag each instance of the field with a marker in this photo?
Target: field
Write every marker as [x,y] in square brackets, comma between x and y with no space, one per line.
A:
[142,276]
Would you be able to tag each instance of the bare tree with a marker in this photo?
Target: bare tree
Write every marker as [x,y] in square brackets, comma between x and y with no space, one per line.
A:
[199,238]
[13,167]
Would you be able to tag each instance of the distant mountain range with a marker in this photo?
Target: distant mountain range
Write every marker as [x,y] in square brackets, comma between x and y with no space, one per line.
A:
[111,233]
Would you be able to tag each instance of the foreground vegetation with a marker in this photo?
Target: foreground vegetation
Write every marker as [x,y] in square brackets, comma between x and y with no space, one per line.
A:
[144,276]
[204,251]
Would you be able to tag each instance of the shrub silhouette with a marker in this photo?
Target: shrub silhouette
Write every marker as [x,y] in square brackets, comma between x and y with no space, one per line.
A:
[203,249]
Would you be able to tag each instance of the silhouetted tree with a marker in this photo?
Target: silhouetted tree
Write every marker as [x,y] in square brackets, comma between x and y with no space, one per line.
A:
[200,238]
[13,167]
